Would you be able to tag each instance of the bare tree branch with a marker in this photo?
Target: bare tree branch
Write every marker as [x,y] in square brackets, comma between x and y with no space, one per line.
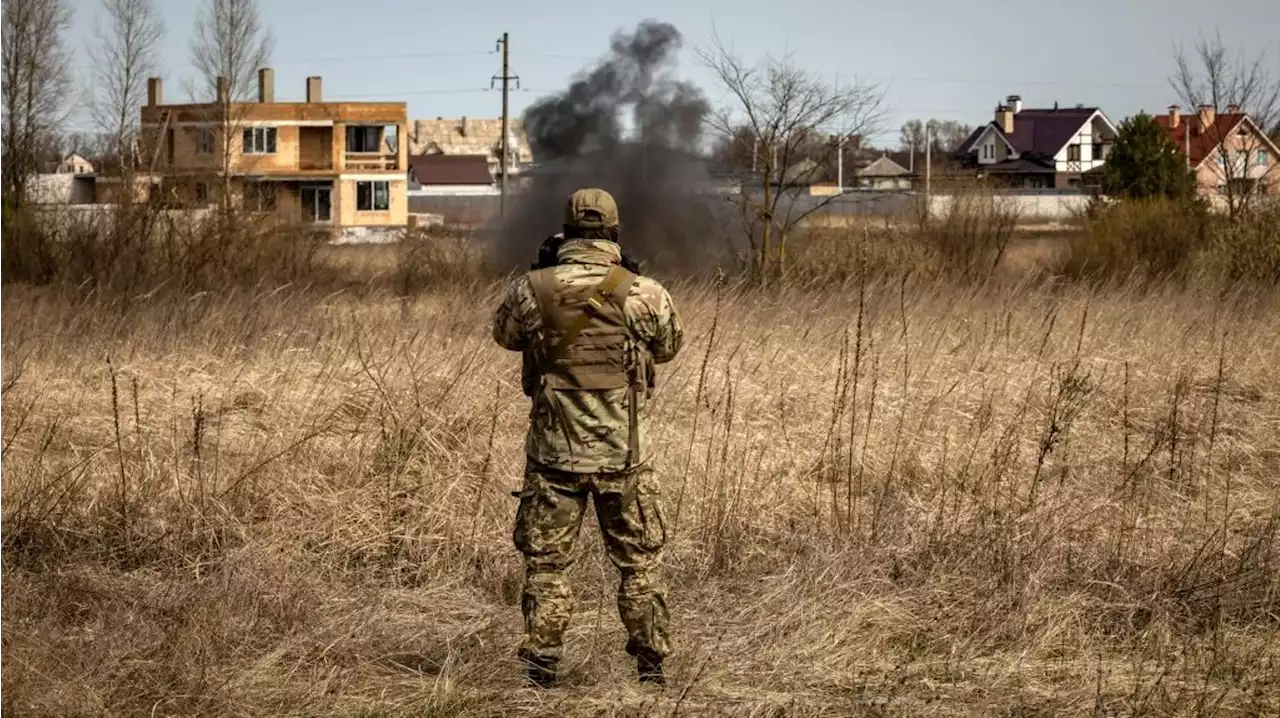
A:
[788,115]
[1211,80]
[230,44]
[37,81]
[123,57]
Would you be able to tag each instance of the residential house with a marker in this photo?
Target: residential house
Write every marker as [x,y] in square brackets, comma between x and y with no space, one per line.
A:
[1224,147]
[333,164]
[1039,148]
[441,174]
[73,163]
[471,136]
[882,173]
[69,180]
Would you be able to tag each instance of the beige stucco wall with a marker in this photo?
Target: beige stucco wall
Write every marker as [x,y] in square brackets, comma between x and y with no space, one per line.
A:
[344,205]
[1211,174]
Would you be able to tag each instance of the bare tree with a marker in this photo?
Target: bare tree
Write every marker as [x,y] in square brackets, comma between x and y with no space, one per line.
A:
[945,135]
[37,80]
[229,46]
[783,109]
[230,42]
[1243,95]
[123,56]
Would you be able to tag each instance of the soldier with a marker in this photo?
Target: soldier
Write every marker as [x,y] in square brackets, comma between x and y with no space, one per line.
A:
[591,332]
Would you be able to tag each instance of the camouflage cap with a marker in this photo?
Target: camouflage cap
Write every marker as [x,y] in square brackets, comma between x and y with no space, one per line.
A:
[591,209]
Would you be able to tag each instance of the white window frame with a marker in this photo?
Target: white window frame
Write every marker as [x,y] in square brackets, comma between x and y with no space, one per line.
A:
[259,140]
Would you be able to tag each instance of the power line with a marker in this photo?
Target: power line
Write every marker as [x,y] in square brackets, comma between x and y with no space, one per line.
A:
[440,91]
[402,56]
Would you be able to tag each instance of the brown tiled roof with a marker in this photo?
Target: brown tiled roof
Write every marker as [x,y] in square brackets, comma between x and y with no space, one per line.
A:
[967,146]
[1204,139]
[439,169]
[1036,131]
[1046,131]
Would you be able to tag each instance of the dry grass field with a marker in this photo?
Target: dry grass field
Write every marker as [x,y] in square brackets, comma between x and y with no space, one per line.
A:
[895,496]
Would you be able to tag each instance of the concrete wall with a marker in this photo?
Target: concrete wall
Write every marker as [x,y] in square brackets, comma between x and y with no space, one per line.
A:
[1027,206]
[60,189]
[1031,205]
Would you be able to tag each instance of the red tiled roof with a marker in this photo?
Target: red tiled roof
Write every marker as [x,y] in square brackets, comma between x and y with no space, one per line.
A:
[442,169]
[1203,139]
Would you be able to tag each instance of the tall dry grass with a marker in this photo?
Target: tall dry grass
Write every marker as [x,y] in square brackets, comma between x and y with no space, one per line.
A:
[893,495]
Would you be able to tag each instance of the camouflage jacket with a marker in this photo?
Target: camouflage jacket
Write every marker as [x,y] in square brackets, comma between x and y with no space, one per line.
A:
[577,430]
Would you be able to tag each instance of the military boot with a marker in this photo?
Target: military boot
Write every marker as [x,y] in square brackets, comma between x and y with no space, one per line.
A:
[542,673]
[650,670]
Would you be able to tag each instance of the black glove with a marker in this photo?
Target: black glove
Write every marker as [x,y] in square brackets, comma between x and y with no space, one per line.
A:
[547,252]
[631,264]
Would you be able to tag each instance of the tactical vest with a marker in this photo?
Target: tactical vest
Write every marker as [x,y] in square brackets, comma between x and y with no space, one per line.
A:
[587,344]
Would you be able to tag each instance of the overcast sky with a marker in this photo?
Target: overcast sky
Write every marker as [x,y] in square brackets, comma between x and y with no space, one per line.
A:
[934,58]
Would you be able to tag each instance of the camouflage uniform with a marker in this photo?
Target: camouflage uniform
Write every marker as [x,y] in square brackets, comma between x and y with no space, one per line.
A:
[578,445]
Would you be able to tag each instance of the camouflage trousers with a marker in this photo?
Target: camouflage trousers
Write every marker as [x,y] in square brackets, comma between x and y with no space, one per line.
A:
[546,530]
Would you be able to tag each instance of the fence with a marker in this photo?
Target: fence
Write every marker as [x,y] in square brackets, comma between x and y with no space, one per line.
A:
[1030,205]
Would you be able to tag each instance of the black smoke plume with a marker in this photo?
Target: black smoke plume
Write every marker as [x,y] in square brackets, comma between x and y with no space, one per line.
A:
[655,171]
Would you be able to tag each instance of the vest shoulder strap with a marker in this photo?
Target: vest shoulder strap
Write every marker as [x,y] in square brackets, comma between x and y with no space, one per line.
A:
[543,282]
[614,288]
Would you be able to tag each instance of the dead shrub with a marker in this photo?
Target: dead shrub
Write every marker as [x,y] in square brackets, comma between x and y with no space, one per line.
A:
[971,237]
[138,249]
[1148,239]
[1247,250]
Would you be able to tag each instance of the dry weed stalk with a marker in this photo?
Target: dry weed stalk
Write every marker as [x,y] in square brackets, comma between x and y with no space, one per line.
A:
[896,494]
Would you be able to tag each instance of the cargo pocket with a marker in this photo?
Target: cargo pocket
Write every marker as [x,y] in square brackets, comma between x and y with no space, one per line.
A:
[524,535]
[652,520]
[547,520]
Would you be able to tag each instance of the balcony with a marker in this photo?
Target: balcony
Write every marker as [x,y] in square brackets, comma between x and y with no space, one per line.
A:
[371,161]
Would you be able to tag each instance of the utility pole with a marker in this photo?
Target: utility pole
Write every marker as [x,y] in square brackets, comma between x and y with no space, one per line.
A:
[506,77]
[928,170]
[840,165]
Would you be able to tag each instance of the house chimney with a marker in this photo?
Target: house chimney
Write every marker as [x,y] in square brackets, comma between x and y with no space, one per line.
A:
[1175,115]
[1014,102]
[1004,118]
[1207,115]
[220,89]
[266,85]
[313,88]
[1233,109]
[155,96]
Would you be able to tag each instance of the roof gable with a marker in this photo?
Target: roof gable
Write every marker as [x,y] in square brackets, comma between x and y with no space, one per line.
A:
[972,140]
[883,167]
[1193,137]
[992,127]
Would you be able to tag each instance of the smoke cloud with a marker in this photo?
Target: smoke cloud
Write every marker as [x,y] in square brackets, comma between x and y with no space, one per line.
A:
[653,170]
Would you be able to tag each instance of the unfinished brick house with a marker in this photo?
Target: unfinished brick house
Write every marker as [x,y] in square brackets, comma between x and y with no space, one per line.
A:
[331,164]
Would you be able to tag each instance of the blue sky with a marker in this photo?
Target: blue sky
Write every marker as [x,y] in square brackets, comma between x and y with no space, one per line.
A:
[933,58]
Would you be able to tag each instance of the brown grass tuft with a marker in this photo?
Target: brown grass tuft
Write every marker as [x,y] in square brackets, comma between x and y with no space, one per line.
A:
[891,494]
